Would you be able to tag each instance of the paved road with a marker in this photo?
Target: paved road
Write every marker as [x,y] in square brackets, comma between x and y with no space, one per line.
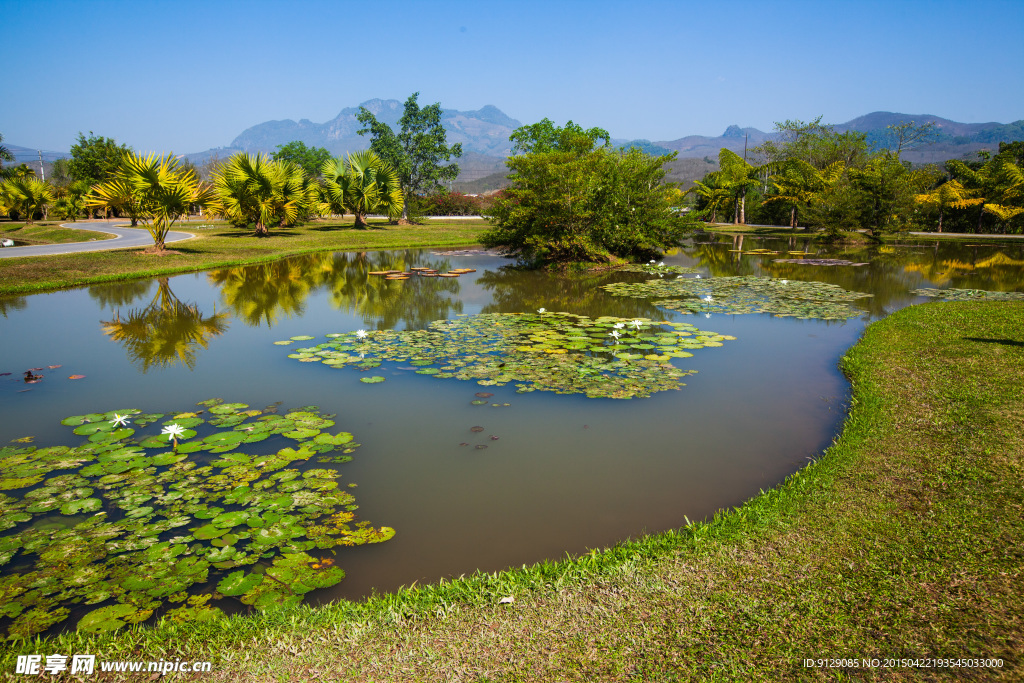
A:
[126,238]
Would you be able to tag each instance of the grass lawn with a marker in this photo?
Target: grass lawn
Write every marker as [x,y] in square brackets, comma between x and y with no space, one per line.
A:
[904,541]
[49,232]
[219,245]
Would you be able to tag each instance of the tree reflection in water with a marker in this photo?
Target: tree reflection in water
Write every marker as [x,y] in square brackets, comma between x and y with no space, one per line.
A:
[166,332]
[261,293]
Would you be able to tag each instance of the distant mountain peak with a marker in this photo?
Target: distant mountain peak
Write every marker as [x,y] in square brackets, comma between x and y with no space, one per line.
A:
[733,131]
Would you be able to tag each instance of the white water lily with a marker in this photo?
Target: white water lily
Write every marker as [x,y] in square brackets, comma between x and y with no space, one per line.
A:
[707,315]
[652,260]
[614,333]
[542,310]
[120,420]
[662,263]
[636,323]
[698,277]
[619,326]
[361,334]
[784,282]
[708,298]
[173,431]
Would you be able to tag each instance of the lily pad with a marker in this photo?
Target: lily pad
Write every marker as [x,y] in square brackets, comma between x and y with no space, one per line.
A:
[376,379]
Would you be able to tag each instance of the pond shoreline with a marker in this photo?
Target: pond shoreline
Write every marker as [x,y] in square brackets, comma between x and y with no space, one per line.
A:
[902,540]
[221,246]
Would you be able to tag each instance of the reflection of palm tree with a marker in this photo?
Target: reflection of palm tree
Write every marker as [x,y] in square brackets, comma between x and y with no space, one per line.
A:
[11,303]
[114,294]
[258,293]
[166,332]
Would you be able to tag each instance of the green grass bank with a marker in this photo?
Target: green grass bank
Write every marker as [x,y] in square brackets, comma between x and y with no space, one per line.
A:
[49,233]
[903,541]
[219,245]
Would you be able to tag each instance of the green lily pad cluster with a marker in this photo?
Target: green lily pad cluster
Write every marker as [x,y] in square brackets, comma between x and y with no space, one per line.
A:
[125,524]
[657,269]
[604,357]
[968,294]
[746,294]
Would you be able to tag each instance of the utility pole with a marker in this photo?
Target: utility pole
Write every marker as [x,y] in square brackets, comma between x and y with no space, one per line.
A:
[745,136]
[41,171]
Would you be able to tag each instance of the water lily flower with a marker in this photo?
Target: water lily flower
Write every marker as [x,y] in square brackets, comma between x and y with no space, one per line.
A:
[707,315]
[120,420]
[652,261]
[698,277]
[173,431]
[785,282]
[662,263]
[637,324]
[361,334]
[614,333]
[619,326]
[708,298]
[542,310]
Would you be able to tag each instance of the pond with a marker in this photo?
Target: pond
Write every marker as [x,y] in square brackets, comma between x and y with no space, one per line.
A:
[479,473]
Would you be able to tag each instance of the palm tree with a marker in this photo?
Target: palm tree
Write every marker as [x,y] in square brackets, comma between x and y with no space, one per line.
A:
[949,194]
[155,188]
[252,188]
[712,192]
[738,176]
[362,184]
[26,195]
[799,183]
[5,155]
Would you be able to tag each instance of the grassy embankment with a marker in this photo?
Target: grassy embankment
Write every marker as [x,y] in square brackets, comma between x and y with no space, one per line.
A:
[220,245]
[905,540]
[49,232]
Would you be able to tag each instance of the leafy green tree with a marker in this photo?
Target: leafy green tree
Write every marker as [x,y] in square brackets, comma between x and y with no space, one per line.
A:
[416,153]
[95,159]
[816,143]
[572,202]
[309,159]
[738,177]
[797,183]
[544,136]
[253,189]
[362,184]
[889,187]
[69,200]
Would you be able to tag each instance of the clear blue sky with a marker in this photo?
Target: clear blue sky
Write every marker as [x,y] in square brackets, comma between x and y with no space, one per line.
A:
[184,76]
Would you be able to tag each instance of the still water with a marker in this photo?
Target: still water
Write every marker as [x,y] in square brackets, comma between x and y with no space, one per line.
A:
[565,474]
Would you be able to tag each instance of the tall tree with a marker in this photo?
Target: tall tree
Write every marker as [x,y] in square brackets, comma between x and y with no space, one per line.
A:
[309,159]
[5,155]
[27,195]
[418,153]
[738,176]
[545,136]
[950,193]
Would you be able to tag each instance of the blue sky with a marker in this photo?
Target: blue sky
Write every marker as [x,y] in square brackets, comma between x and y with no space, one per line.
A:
[184,76]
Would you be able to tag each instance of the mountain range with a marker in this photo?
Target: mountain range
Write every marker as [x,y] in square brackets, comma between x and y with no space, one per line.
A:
[484,136]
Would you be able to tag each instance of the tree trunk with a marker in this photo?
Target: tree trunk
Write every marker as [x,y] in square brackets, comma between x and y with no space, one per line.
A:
[981,214]
[940,219]
[792,217]
[736,211]
[135,222]
[360,221]
[743,206]
[261,229]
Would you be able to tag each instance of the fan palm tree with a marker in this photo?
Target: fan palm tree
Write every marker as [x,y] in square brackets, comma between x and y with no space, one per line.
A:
[712,192]
[799,183]
[949,194]
[26,195]
[738,176]
[252,188]
[362,184]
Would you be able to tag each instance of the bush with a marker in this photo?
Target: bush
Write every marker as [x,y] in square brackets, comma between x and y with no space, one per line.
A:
[450,204]
[585,205]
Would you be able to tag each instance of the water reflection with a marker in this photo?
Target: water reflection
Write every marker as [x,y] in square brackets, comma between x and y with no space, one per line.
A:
[890,273]
[514,290]
[262,293]
[11,303]
[167,332]
[114,294]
